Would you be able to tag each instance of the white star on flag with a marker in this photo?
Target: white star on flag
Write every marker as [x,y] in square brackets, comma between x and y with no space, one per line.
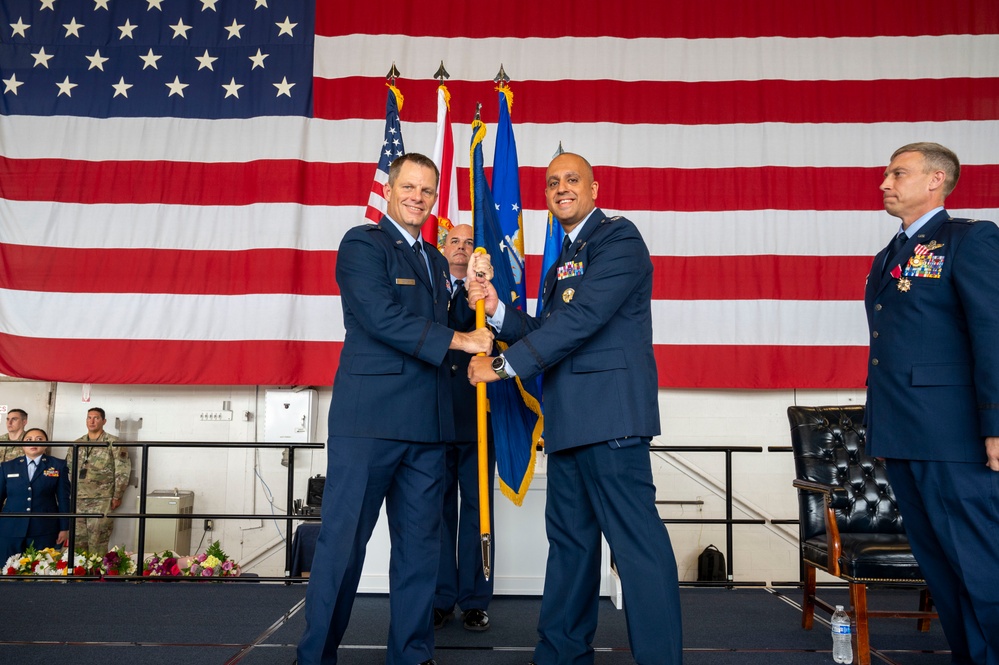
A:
[154,3]
[179,29]
[208,4]
[72,28]
[234,29]
[42,58]
[127,29]
[232,88]
[285,27]
[20,27]
[176,88]
[47,4]
[284,88]
[149,59]
[101,4]
[95,60]
[206,61]
[65,87]
[258,60]
[121,88]
[12,84]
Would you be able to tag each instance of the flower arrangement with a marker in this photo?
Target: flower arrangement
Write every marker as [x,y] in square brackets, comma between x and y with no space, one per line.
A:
[33,561]
[118,562]
[213,563]
[161,564]
[87,564]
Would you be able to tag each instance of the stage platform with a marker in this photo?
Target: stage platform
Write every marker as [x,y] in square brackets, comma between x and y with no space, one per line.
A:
[161,623]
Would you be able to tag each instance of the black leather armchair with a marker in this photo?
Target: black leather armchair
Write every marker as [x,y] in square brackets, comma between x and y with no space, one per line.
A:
[849,524]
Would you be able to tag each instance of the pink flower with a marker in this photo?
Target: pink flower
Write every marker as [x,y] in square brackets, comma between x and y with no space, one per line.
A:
[207,572]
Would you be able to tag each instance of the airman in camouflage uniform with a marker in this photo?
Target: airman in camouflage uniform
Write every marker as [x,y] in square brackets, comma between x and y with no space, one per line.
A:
[17,421]
[104,472]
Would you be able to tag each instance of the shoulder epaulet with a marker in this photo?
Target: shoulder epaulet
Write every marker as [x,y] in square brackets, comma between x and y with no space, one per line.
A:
[959,220]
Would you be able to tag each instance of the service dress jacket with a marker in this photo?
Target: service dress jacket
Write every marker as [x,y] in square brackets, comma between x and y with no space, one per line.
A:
[47,492]
[593,340]
[933,368]
[392,382]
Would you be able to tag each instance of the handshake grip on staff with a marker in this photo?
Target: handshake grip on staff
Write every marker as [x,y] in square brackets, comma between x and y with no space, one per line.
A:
[479,285]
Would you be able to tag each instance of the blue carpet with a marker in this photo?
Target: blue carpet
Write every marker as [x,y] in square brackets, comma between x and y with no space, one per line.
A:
[93,623]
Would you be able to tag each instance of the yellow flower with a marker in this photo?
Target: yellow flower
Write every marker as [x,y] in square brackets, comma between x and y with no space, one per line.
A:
[211,562]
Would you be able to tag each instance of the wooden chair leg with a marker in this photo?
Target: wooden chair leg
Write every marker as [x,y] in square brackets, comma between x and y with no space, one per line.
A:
[808,602]
[861,634]
[925,605]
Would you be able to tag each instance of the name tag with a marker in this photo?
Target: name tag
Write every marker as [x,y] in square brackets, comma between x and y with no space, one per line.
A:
[405,282]
[13,475]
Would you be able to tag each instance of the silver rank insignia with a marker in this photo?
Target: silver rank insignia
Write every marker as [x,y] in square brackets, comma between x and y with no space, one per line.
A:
[568,294]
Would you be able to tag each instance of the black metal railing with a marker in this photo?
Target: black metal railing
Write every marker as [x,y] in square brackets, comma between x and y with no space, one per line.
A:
[729,521]
[142,515]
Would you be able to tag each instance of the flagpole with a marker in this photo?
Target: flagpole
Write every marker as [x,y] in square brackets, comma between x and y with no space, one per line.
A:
[485,528]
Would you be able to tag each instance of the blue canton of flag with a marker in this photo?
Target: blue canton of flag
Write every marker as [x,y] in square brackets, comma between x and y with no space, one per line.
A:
[157,58]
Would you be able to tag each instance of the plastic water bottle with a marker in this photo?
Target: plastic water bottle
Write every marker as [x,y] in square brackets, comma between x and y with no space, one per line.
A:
[842,649]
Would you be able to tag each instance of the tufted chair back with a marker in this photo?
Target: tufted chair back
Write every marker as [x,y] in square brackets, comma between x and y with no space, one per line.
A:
[829,448]
[849,523]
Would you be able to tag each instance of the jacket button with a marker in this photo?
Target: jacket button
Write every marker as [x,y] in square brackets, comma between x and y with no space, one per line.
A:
[454,368]
[874,334]
[877,308]
[874,361]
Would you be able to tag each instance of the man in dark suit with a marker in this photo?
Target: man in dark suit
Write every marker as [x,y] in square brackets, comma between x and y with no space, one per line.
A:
[932,301]
[390,412]
[460,579]
[593,344]
[33,482]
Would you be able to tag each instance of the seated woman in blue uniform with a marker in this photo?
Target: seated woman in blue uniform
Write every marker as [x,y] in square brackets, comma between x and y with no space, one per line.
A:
[34,482]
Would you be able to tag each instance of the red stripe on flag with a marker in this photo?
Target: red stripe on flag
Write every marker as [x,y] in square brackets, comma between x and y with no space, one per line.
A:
[267,362]
[313,363]
[751,277]
[215,183]
[58,269]
[690,103]
[761,367]
[313,273]
[338,184]
[631,19]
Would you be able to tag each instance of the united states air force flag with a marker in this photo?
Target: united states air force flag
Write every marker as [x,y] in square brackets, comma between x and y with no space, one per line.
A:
[516,421]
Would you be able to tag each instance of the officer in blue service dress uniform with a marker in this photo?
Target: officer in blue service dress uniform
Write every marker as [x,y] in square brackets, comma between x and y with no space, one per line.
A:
[390,413]
[33,483]
[593,346]
[932,302]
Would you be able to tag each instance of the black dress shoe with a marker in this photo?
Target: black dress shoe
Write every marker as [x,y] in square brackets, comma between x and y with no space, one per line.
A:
[441,617]
[476,620]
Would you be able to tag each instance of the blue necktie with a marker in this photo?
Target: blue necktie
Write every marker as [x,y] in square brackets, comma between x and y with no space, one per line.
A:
[31,469]
[897,243]
[418,248]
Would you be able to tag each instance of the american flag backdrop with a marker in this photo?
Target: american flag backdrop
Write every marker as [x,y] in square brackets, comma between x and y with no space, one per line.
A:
[176,175]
